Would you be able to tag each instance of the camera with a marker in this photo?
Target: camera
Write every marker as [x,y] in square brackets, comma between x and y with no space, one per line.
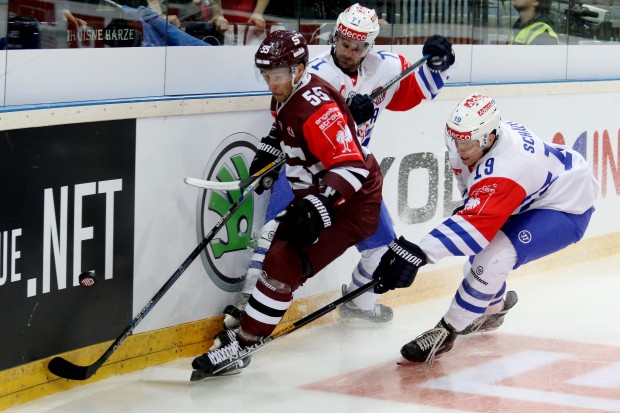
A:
[205,31]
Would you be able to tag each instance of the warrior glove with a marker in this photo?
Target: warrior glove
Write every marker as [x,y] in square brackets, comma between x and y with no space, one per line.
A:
[304,219]
[440,51]
[398,266]
[268,151]
[361,108]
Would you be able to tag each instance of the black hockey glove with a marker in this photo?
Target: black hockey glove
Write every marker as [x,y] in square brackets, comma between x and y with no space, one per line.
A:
[398,266]
[305,218]
[361,108]
[440,51]
[268,151]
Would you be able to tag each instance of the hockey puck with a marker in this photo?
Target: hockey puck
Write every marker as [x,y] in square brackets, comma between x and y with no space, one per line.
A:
[88,278]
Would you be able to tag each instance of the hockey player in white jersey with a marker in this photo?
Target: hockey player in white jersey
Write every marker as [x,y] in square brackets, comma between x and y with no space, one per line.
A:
[524,199]
[352,69]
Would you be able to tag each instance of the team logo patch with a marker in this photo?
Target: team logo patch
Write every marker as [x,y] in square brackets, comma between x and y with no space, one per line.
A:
[525,236]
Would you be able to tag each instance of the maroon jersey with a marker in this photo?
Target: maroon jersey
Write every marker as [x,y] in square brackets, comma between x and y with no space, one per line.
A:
[317,133]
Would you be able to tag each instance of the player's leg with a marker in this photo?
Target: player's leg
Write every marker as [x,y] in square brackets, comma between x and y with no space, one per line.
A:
[285,269]
[372,249]
[281,196]
[483,284]
[524,238]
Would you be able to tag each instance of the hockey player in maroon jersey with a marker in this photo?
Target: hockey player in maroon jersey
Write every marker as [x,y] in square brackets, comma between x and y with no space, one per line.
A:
[336,183]
[356,71]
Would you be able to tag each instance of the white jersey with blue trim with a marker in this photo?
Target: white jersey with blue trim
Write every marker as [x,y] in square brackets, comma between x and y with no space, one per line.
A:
[521,172]
[376,70]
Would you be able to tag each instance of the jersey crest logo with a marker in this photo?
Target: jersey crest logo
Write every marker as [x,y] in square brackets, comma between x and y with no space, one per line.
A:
[290,131]
[475,201]
[343,137]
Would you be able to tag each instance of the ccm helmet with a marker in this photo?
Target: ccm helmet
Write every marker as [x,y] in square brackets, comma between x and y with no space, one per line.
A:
[282,48]
[474,119]
[358,23]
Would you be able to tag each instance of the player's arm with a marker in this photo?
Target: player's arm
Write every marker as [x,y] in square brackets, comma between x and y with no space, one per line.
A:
[333,143]
[428,79]
[490,203]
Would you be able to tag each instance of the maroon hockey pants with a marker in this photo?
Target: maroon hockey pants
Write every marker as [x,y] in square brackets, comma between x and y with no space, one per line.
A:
[352,222]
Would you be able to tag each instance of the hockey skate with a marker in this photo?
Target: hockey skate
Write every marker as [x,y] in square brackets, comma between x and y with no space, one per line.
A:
[232,312]
[225,348]
[490,322]
[378,314]
[430,345]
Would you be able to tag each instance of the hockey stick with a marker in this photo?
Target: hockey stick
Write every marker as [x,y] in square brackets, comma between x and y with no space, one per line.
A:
[233,185]
[199,375]
[400,77]
[65,369]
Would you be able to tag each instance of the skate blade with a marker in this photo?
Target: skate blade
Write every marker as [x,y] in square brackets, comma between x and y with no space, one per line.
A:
[404,362]
[198,375]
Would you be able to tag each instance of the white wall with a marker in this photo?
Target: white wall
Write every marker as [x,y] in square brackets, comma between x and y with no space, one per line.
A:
[171,148]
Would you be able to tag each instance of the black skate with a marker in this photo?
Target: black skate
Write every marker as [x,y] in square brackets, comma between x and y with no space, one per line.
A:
[430,345]
[225,349]
[378,314]
[233,312]
[492,322]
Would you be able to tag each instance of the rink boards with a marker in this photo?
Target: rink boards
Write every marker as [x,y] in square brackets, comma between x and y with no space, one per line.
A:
[101,187]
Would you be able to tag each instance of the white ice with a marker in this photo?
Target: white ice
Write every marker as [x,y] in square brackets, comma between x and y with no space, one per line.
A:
[558,351]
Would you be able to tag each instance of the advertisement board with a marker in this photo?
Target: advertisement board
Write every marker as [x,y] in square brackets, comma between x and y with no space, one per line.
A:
[66,207]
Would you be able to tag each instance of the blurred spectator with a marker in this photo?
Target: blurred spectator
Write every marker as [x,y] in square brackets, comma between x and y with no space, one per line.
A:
[23,33]
[197,19]
[533,25]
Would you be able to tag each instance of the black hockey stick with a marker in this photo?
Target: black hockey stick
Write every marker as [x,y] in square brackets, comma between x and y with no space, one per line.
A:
[235,185]
[199,375]
[65,369]
[400,77]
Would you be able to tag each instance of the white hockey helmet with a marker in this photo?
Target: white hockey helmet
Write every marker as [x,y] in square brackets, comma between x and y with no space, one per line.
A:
[473,120]
[358,23]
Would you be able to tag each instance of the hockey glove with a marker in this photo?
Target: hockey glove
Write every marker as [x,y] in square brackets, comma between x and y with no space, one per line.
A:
[440,51]
[361,108]
[304,219]
[398,266]
[268,151]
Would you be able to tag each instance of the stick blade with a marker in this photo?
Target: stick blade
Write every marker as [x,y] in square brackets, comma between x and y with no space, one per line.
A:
[216,185]
[67,370]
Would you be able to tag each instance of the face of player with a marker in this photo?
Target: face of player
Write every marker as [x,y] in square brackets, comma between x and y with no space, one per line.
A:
[280,81]
[470,152]
[349,53]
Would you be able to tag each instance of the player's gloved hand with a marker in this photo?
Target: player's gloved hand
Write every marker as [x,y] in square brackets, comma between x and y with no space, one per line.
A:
[305,218]
[398,266]
[268,151]
[440,51]
[361,108]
